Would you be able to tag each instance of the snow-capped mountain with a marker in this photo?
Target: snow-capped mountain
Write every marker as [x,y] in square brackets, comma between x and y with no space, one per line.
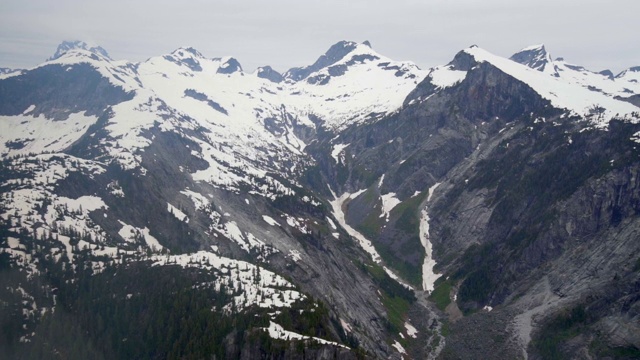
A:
[537,58]
[624,85]
[4,71]
[228,132]
[67,46]
[355,192]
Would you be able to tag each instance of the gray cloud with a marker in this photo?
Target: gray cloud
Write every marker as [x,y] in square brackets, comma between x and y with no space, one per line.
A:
[286,33]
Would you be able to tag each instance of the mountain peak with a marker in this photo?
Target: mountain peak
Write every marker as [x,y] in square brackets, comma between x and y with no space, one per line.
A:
[338,50]
[535,57]
[537,47]
[335,53]
[183,52]
[66,46]
[631,70]
[186,56]
[229,65]
[607,73]
[267,72]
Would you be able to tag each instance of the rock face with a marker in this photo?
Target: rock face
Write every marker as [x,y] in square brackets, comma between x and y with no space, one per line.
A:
[335,53]
[66,46]
[266,72]
[535,57]
[526,196]
[229,66]
[66,91]
[249,203]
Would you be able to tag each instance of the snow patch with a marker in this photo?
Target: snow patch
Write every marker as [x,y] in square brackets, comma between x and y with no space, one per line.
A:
[411,330]
[199,201]
[255,285]
[26,134]
[596,106]
[338,213]
[297,223]
[29,109]
[134,234]
[278,332]
[364,243]
[332,224]
[84,204]
[345,325]
[355,194]
[337,153]
[295,255]
[399,347]
[177,213]
[429,277]
[269,220]
[389,201]
[446,76]
[13,243]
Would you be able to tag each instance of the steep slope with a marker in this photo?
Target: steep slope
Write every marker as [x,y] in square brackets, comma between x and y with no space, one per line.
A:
[500,157]
[352,84]
[354,207]
[622,86]
[182,155]
[537,58]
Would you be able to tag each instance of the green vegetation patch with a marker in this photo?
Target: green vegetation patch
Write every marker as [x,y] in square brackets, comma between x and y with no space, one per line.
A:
[409,219]
[397,308]
[396,298]
[409,224]
[440,295]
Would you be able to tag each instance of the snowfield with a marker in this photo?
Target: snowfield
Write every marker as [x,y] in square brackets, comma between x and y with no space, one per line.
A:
[562,94]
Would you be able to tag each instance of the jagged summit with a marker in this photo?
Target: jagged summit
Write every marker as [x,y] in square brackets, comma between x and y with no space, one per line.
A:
[187,56]
[229,65]
[571,87]
[535,57]
[536,47]
[335,53]
[635,69]
[66,46]
[187,52]
[182,182]
[6,70]
[607,73]
[267,72]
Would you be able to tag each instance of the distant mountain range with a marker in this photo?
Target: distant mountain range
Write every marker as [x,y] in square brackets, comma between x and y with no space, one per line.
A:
[358,207]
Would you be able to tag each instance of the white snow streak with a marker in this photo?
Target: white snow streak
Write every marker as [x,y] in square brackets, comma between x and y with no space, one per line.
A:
[336,205]
[278,332]
[177,213]
[337,153]
[269,220]
[365,243]
[429,277]
[411,330]
[389,201]
[399,347]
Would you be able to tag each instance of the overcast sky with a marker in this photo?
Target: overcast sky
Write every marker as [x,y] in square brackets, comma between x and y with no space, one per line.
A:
[286,33]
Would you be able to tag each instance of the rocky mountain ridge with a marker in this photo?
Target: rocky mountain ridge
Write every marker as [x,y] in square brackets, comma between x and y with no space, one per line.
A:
[381,201]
